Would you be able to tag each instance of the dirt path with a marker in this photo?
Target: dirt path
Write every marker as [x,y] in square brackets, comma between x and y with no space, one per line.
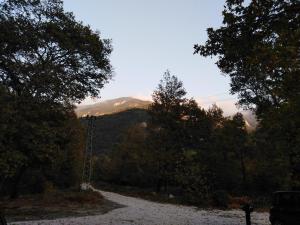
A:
[142,212]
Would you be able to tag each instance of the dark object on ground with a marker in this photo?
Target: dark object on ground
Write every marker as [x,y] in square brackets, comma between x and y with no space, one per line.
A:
[248,210]
[2,219]
[285,208]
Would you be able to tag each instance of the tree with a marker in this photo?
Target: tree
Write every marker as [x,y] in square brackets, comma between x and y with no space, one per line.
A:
[133,159]
[10,158]
[258,47]
[47,54]
[48,62]
[40,137]
[168,100]
[166,113]
[227,141]
[177,127]
[235,137]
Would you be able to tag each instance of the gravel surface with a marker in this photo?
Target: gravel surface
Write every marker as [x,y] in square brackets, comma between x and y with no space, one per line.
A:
[143,212]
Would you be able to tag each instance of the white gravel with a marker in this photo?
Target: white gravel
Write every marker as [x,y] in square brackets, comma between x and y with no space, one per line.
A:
[142,212]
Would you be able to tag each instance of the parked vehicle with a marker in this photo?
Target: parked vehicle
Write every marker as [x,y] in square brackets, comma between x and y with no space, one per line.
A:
[285,208]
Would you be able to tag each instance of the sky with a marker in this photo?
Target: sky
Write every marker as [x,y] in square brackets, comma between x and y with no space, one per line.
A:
[152,36]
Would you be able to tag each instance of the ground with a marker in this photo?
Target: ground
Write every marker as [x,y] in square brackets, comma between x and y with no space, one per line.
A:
[56,204]
[142,212]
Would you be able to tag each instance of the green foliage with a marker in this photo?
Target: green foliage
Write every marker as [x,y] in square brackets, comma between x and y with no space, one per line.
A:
[40,139]
[48,61]
[199,156]
[183,150]
[46,53]
[194,178]
[131,163]
[258,47]
[176,124]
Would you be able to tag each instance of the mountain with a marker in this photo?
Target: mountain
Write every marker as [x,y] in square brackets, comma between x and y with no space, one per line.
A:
[125,103]
[111,106]
[250,120]
[114,117]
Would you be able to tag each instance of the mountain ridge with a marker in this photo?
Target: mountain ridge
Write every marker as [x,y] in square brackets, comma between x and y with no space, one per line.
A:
[111,106]
[117,105]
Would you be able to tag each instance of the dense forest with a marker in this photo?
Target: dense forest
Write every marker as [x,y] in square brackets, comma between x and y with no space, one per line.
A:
[49,62]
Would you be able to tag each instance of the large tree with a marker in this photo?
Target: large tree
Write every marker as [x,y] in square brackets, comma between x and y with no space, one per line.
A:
[46,53]
[48,62]
[166,113]
[178,125]
[258,46]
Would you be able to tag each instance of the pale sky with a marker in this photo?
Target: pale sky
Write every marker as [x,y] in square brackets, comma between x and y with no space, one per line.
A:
[151,36]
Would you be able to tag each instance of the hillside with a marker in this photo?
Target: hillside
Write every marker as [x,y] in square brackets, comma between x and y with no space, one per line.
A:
[114,117]
[111,106]
[110,128]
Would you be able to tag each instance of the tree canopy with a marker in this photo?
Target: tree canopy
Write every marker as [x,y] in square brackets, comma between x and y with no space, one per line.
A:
[46,53]
[48,62]
[258,47]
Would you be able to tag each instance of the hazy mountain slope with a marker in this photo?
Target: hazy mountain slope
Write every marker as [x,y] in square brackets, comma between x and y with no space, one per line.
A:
[111,106]
[109,129]
[114,117]
[125,103]
[250,120]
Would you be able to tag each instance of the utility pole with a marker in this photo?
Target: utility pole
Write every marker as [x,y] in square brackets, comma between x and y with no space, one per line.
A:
[88,154]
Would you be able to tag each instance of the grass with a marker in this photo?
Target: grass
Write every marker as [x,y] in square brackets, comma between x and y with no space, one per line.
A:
[57,204]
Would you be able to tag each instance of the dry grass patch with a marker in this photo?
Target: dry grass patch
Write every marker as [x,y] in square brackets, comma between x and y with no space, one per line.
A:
[57,204]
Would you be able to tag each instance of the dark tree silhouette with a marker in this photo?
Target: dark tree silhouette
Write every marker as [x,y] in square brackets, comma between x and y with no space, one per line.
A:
[48,62]
[46,53]
[258,47]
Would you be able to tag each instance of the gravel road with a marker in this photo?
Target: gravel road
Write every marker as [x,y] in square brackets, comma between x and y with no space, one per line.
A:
[141,212]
